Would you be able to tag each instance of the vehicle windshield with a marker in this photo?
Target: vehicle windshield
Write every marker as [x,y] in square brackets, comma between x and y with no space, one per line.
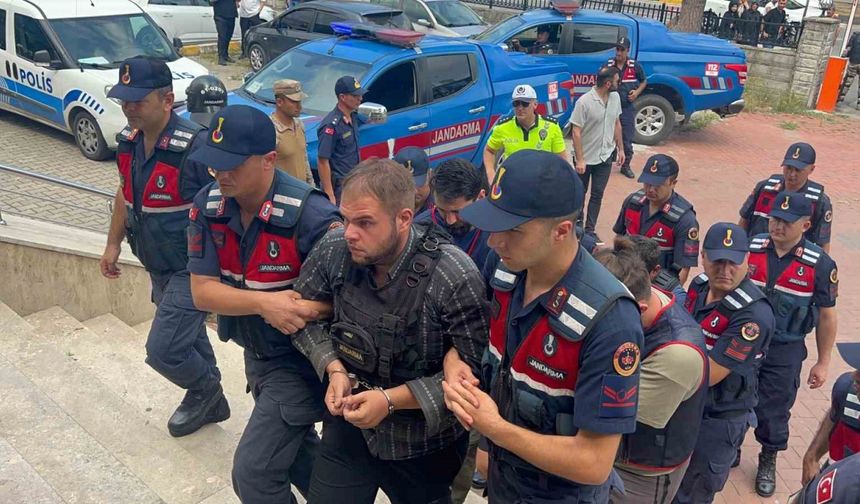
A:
[791,5]
[451,13]
[316,72]
[394,19]
[500,30]
[107,41]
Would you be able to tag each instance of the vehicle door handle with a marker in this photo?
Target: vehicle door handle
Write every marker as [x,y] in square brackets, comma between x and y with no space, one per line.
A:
[477,109]
[167,15]
[417,127]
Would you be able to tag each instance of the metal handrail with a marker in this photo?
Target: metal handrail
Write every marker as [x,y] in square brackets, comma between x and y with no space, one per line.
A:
[77,186]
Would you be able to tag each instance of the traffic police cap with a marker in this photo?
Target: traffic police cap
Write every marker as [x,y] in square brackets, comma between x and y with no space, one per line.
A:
[416,161]
[348,85]
[726,241]
[623,42]
[138,77]
[850,353]
[524,92]
[657,169]
[791,206]
[236,133]
[799,155]
[529,184]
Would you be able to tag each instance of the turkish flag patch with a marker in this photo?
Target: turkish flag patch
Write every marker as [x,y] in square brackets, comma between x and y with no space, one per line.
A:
[328,130]
[824,491]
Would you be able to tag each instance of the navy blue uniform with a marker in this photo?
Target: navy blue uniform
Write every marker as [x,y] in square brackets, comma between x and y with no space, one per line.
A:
[738,330]
[758,204]
[632,75]
[797,285]
[473,243]
[279,443]
[835,484]
[338,142]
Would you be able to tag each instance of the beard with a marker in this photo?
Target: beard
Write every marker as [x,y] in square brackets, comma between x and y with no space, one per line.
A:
[384,252]
[459,229]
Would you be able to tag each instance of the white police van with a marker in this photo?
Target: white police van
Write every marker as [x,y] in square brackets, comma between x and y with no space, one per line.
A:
[59,58]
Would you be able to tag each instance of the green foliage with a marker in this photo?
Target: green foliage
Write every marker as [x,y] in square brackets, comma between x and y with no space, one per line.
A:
[760,98]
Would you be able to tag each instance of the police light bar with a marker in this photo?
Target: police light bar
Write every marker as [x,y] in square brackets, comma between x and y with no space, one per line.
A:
[395,36]
[566,7]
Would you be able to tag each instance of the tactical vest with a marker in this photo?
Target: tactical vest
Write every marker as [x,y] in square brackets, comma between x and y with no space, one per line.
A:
[375,330]
[736,392]
[845,436]
[764,201]
[667,448]
[273,264]
[156,224]
[628,82]
[791,293]
[663,228]
[666,281]
[535,387]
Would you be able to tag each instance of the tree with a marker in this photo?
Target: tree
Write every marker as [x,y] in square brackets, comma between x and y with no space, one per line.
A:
[690,17]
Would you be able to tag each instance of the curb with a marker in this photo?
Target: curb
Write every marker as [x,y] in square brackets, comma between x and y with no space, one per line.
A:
[210,48]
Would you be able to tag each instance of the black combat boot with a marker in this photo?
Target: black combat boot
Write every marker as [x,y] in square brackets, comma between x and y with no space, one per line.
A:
[198,408]
[765,478]
[627,172]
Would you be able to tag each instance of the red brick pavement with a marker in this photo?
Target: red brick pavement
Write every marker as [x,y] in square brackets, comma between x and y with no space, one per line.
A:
[720,164]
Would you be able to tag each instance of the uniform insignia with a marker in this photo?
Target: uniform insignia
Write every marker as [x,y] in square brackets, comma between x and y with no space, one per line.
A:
[195,240]
[796,154]
[693,234]
[549,344]
[221,205]
[192,213]
[626,359]
[496,191]
[160,181]
[328,130]
[557,301]
[753,268]
[618,397]
[666,208]
[660,232]
[274,249]
[833,277]
[162,142]
[217,135]
[750,331]
[126,77]
[727,241]
[828,216]
[784,205]
[824,490]
[521,90]
[409,166]
[654,167]
[715,321]
[737,351]
[218,238]
[798,252]
[178,143]
[265,211]
[542,134]
[800,271]
[357,85]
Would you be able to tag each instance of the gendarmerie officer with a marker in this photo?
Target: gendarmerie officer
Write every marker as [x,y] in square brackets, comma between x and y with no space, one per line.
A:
[738,324]
[839,432]
[415,160]
[338,150]
[157,184]
[403,296]
[633,82]
[657,211]
[837,484]
[250,231]
[562,366]
[673,386]
[800,281]
[797,166]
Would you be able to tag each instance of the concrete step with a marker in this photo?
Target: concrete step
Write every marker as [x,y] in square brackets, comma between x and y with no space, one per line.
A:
[173,474]
[20,482]
[119,365]
[65,456]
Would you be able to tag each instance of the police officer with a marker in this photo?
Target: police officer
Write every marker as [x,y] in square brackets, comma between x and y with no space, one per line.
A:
[839,431]
[157,184]
[659,212]
[249,232]
[837,484]
[672,389]
[403,296]
[416,161]
[561,323]
[338,150]
[633,82]
[205,96]
[738,324]
[800,281]
[798,165]
[524,129]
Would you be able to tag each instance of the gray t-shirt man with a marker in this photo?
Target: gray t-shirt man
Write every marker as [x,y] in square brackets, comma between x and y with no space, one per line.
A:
[597,120]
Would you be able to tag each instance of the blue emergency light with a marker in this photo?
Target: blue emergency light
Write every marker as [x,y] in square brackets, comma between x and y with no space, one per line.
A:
[395,36]
[566,7]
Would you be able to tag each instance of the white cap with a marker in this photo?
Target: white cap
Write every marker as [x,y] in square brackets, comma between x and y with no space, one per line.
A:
[524,92]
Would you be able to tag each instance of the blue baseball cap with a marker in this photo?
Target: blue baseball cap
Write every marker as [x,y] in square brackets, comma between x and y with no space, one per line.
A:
[850,353]
[416,161]
[140,76]
[236,133]
[791,206]
[799,155]
[728,241]
[657,169]
[348,85]
[529,184]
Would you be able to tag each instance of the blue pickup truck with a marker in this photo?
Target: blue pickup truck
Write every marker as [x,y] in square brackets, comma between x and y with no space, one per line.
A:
[440,94]
[686,72]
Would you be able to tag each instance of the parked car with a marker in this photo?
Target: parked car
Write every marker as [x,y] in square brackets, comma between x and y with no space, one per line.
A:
[442,94]
[451,18]
[310,21]
[686,72]
[62,58]
[191,21]
[793,8]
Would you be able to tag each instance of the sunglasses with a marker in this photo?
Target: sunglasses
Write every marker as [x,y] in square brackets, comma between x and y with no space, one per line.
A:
[520,103]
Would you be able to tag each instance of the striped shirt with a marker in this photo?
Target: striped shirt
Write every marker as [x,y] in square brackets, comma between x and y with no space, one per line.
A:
[454,312]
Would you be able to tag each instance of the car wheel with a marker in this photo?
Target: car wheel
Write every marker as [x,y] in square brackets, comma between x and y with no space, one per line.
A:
[257,57]
[654,120]
[89,138]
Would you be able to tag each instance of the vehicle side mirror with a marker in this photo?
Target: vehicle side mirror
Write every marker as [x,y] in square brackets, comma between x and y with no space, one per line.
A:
[424,22]
[42,58]
[247,77]
[374,112]
[177,43]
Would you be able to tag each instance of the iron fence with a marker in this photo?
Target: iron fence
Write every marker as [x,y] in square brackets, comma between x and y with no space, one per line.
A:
[752,31]
[659,11]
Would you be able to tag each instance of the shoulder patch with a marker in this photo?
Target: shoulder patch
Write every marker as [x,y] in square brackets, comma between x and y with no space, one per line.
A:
[824,490]
[505,119]
[750,331]
[503,280]
[626,359]
[828,216]
[549,119]
[693,233]
[833,276]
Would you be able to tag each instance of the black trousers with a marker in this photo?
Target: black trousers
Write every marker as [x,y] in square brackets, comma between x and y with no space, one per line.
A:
[598,176]
[224,27]
[345,470]
[778,381]
[245,23]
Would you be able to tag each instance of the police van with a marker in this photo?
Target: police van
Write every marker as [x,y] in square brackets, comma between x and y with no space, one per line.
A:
[59,58]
